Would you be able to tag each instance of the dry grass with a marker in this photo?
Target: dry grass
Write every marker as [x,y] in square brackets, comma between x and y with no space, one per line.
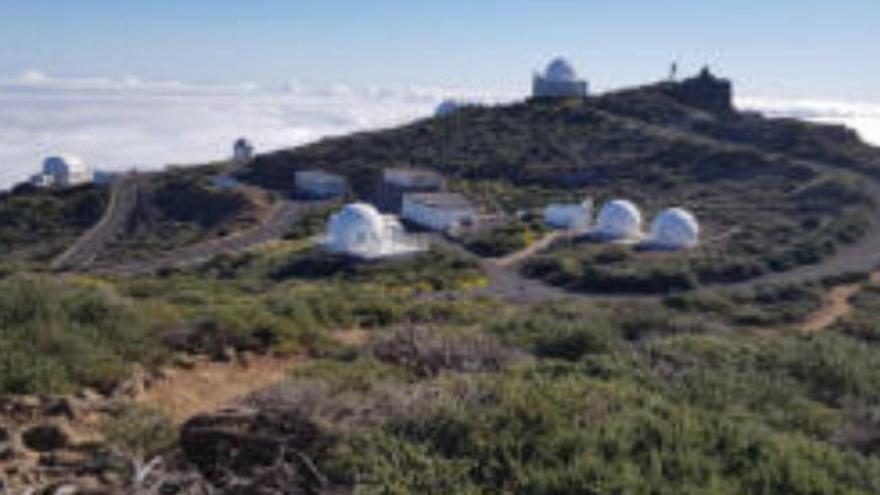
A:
[208,386]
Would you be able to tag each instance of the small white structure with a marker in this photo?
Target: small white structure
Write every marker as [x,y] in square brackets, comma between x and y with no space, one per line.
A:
[318,184]
[359,230]
[438,211]
[575,216]
[619,219]
[559,80]
[63,171]
[242,151]
[675,228]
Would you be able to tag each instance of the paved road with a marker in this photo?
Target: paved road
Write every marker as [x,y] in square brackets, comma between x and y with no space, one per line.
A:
[280,219]
[123,199]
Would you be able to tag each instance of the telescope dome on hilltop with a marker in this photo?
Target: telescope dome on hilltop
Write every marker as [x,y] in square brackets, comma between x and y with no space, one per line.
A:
[63,171]
[560,70]
[559,80]
[446,107]
[675,228]
[619,219]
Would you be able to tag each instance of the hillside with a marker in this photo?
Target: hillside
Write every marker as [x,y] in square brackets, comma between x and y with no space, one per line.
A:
[771,194]
[277,368]
[36,225]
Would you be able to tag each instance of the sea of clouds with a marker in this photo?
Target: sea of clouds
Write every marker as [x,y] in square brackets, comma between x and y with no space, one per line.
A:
[120,124]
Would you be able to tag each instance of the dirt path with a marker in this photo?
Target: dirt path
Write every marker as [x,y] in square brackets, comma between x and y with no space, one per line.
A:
[209,385]
[279,219]
[529,251]
[123,199]
[836,306]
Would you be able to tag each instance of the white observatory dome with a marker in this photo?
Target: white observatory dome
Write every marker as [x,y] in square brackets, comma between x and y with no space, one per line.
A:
[619,219]
[560,70]
[357,229]
[68,163]
[446,107]
[675,228]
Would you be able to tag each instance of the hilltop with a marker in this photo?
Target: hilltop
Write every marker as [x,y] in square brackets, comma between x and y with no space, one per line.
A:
[772,194]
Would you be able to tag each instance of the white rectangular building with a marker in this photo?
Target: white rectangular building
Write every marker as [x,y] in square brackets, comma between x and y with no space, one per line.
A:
[570,216]
[438,211]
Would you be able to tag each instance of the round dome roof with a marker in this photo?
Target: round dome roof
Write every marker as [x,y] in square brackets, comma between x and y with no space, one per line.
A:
[560,70]
[357,228]
[675,228]
[619,219]
[71,163]
[446,107]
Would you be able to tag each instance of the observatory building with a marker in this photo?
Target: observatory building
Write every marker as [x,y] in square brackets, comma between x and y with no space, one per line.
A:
[397,182]
[559,80]
[438,211]
[359,230]
[575,216]
[318,184]
[447,107]
[242,151]
[63,171]
[675,228]
[619,219]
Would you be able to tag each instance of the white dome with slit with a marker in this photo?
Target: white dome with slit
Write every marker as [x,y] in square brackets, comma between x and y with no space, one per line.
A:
[619,219]
[358,229]
[560,70]
[675,228]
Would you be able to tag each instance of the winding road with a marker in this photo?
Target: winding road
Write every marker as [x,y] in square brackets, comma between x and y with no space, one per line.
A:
[123,199]
[281,217]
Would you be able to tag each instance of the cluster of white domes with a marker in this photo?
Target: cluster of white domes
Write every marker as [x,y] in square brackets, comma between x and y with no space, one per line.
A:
[358,229]
[619,219]
[675,228]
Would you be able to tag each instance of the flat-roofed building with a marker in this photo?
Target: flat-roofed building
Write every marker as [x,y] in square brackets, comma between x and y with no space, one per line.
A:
[319,184]
[397,182]
[438,211]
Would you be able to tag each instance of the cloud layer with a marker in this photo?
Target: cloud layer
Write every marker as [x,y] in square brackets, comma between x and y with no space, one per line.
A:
[119,124]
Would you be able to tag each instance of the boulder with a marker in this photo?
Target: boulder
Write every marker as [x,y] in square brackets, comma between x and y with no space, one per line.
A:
[58,406]
[46,438]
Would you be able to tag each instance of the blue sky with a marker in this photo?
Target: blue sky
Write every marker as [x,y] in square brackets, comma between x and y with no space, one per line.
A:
[790,48]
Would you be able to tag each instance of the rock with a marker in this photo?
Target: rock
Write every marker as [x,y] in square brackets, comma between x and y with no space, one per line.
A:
[5,435]
[170,488]
[64,459]
[224,354]
[45,438]
[58,406]
[89,395]
[7,453]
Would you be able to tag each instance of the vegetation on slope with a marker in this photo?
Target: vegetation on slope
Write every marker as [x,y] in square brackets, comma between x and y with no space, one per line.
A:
[179,208]
[38,224]
[761,209]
